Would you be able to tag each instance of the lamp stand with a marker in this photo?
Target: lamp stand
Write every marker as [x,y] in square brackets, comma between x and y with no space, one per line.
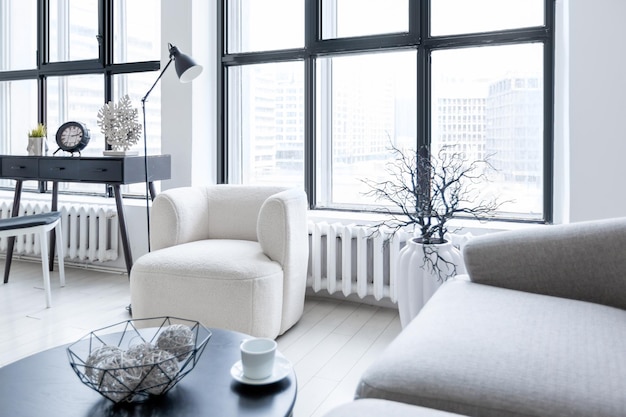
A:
[145,147]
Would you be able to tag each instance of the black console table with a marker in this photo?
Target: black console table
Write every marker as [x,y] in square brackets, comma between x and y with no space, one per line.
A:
[110,170]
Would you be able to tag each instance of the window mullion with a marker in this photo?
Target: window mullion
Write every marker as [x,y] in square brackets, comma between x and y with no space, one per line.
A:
[548,115]
[423,77]
[312,17]
[222,98]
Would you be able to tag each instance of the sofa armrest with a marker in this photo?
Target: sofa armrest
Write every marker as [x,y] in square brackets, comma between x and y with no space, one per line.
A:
[584,261]
[179,215]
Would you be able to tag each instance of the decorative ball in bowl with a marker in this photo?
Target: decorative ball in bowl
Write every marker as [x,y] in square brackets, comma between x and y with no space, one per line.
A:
[130,361]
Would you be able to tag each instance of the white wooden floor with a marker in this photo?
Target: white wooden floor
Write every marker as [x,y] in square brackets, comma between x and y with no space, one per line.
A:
[330,347]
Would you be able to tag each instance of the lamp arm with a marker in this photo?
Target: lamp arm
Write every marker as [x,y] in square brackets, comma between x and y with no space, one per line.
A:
[143,100]
[174,53]
[145,147]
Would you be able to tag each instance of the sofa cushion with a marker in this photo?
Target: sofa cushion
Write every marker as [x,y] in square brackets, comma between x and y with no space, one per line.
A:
[383,408]
[481,350]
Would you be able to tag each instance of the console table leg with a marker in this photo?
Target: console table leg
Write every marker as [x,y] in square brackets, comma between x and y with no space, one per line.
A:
[11,241]
[120,214]
[55,205]
[152,190]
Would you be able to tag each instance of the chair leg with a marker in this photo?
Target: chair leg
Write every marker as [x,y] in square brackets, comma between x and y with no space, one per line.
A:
[43,241]
[60,253]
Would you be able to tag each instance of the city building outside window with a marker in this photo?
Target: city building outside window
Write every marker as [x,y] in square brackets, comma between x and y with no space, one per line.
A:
[315,91]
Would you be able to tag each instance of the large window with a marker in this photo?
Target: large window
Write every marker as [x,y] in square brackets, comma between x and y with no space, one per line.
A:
[314,95]
[61,60]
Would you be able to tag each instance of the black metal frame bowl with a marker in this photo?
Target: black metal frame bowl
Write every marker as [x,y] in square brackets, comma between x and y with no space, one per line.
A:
[111,382]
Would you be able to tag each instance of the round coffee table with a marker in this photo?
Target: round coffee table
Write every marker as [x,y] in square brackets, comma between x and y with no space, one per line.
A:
[45,385]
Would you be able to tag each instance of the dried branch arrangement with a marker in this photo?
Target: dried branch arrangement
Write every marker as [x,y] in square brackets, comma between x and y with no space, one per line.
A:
[428,190]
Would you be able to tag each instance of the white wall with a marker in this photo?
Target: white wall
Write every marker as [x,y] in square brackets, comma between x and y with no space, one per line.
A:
[597,109]
[188,111]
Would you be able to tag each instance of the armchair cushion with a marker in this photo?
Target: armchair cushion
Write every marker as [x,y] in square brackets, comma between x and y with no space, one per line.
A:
[221,282]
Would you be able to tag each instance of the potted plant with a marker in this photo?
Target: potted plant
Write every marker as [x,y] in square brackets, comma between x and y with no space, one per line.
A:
[37,144]
[424,192]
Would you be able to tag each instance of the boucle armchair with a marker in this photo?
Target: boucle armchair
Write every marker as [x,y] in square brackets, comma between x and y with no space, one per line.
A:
[538,329]
[229,256]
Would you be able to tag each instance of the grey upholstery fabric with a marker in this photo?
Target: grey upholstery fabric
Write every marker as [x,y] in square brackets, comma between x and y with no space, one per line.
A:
[583,261]
[382,408]
[485,351]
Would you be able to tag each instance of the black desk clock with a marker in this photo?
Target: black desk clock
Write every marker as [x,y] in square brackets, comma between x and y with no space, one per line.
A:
[72,137]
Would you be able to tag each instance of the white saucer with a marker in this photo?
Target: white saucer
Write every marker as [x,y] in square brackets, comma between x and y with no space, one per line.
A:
[282,367]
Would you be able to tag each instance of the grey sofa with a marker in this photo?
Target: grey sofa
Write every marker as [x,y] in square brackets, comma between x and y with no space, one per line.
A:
[370,407]
[537,329]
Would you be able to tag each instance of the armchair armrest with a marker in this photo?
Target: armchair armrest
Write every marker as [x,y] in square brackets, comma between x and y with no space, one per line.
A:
[584,261]
[282,228]
[283,236]
[179,215]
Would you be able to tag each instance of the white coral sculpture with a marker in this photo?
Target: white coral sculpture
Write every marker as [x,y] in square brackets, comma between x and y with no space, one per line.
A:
[118,122]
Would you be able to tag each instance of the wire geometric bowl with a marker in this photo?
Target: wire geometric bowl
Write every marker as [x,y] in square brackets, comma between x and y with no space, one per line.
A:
[134,359]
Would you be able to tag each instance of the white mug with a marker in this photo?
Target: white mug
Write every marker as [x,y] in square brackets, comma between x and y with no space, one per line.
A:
[257,357]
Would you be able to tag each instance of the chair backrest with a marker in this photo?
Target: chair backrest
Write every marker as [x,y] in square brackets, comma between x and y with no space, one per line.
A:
[233,210]
[187,214]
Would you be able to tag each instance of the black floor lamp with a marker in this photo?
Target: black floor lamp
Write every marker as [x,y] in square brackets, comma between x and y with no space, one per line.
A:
[187,70]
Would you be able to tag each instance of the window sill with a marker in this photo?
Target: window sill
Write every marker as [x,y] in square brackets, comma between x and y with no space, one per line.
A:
[367,218]
[330,216]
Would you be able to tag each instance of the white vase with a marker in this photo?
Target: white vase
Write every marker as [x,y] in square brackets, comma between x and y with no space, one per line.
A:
[416,281]
[37,146]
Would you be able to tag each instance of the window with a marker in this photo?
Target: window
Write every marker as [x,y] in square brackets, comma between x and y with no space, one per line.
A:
[70,71]
[259,93]
[314,96]
[347,18]
[373,102]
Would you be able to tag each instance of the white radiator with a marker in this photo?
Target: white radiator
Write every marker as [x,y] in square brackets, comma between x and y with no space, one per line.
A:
[353,260]
[90,232]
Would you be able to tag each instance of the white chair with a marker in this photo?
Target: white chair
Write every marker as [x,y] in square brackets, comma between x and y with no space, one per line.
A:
[39,224]
[229,256]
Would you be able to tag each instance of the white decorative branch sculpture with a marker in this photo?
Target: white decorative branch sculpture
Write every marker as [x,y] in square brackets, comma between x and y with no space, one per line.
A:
[119,125]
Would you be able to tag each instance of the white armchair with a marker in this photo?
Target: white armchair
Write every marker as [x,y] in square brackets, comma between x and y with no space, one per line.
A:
[229,256]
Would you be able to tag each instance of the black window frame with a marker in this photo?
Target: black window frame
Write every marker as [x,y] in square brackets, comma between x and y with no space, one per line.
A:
[102,65]
[418,37]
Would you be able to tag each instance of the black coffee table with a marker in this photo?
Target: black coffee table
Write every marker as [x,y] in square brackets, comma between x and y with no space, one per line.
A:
[45,385]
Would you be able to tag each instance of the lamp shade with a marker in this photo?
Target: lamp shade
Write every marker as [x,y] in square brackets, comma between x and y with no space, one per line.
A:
[186,68]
